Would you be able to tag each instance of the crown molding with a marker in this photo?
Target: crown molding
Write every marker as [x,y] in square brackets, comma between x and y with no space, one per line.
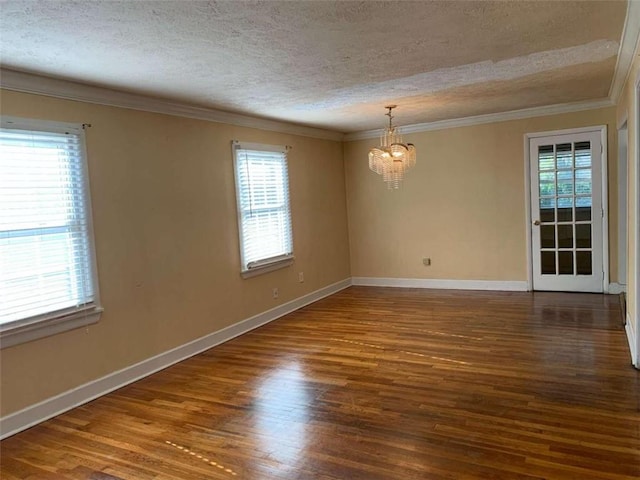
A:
[488,118]
[627,51]
[53,87]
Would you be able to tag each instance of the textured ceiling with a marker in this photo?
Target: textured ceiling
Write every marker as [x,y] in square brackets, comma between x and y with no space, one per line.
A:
[332,65]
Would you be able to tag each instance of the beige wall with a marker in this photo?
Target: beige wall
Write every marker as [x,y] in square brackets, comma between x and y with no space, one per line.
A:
[627,109]
[165,220]
[463,204]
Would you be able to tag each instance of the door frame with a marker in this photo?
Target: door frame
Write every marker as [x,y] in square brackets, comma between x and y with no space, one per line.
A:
[635,223]
[623,201]
[602,129]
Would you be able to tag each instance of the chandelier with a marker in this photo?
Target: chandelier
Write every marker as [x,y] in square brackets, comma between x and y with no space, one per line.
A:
[393,157]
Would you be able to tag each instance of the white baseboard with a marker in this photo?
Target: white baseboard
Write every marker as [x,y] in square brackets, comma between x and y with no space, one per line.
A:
[631,338]
[616,288]
[32,415]
[500,285]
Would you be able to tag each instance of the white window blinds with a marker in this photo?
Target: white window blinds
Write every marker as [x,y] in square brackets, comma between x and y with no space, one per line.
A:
[262,189]
[46,258]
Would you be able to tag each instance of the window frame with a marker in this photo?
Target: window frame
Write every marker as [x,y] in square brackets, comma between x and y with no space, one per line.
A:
[258,267]
[50,323]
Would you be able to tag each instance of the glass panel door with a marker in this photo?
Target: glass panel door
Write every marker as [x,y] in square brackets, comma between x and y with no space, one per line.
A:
[566,212]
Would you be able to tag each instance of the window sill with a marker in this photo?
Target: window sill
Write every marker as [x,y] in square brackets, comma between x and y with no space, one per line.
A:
[22,332]
[267,268]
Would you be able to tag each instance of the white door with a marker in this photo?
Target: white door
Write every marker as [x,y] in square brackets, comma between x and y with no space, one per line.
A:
[566,212]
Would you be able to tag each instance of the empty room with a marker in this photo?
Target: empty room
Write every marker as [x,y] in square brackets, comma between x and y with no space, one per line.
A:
[333,240]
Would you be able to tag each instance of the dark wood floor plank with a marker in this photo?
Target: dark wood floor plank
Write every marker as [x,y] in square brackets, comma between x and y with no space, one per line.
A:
[372,383]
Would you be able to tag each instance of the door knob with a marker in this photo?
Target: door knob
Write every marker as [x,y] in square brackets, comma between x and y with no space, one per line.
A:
[536,222]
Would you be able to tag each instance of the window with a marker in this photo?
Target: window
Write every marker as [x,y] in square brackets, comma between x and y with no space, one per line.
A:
[264,214]
[47,271]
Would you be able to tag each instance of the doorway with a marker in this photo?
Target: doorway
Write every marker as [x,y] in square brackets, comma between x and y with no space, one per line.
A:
[567,206]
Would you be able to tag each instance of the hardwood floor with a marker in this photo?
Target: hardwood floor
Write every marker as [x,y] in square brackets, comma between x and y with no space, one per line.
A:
[372,383]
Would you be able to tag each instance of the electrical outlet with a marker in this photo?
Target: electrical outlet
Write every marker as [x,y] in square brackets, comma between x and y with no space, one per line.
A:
[426,261]
[301,277]
[275,292]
